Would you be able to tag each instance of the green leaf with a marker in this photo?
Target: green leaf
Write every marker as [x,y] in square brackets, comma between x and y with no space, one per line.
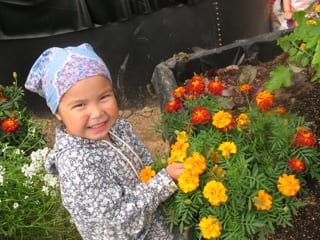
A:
[281,76]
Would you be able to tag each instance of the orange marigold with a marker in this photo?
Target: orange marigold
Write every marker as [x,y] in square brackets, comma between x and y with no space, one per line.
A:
[223,121]
[188,182]
[288,185]
[200,115]
[263,201]
[242,120]
[264,100]
[10,125]
[215,87]
[245,88]
[146,174]
[280,110]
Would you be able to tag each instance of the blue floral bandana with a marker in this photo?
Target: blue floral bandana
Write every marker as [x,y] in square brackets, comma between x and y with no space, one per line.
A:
[58,69]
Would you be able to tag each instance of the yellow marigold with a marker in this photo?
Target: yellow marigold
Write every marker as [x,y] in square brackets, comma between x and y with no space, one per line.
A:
[188,182]
[210,227]
[288,185]
[222,120]
[178,151]
[302,46]
[182,136]
[242,120]
[227,148]
[196,163]
[317,8]
[311,22]
[215,193]
[263,201]
[146,174]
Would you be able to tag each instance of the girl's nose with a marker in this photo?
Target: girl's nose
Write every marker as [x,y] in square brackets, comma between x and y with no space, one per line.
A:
[96,111]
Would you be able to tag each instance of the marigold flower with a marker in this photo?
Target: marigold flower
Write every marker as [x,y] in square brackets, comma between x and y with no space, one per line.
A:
[213,155]
[245,88]
[280,110]
[200,115]
[311,22]
[215,193]
[296,164]
[217,172]
[263,201]
[196,86]
[173,105]
[179,92]
[264,100]
[188,182]
[242,120]
[317,8]
[210,227]
[288,185]
[304,138]
[302,46]
[223,121]
[179,149]
[215,87]
[146,174]
[196,163]
[227,148]
[10,125]
[3,99]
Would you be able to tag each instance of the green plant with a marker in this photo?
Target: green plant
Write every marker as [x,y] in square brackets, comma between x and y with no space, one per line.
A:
[245,168]
[30,204]
[303,47]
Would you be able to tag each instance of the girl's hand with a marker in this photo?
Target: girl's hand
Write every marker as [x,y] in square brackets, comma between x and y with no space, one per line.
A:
[175,170]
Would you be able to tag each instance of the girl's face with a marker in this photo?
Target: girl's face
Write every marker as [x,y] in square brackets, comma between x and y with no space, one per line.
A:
[89,109]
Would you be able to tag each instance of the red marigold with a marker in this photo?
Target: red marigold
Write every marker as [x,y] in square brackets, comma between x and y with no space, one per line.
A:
[173,105]
[304,138]
[264,100]
[215,87]
[196,86]
[296,164]
[200,115]
[10,125]
[179,92]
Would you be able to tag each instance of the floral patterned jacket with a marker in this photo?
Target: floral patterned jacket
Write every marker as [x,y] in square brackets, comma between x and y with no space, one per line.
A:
[101,190]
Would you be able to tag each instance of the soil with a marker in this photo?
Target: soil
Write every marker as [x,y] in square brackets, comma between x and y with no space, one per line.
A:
[305,225]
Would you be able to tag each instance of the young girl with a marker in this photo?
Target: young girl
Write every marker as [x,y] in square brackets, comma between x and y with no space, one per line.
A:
[291,6]
[97,155]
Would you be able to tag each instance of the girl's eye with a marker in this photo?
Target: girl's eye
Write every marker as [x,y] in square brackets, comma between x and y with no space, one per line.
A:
[80,105]
[105,96]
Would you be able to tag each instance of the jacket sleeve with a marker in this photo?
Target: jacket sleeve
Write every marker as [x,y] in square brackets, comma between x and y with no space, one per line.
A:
[103,207]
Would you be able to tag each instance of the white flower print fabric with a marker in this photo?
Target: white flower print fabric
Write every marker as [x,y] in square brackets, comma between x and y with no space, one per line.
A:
[101,191]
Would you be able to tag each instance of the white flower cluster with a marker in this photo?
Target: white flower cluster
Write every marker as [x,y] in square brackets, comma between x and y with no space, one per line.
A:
[36,168]
[37,163]
[2,170]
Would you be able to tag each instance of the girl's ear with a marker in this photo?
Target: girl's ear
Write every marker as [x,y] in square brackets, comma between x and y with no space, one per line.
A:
[58,116]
